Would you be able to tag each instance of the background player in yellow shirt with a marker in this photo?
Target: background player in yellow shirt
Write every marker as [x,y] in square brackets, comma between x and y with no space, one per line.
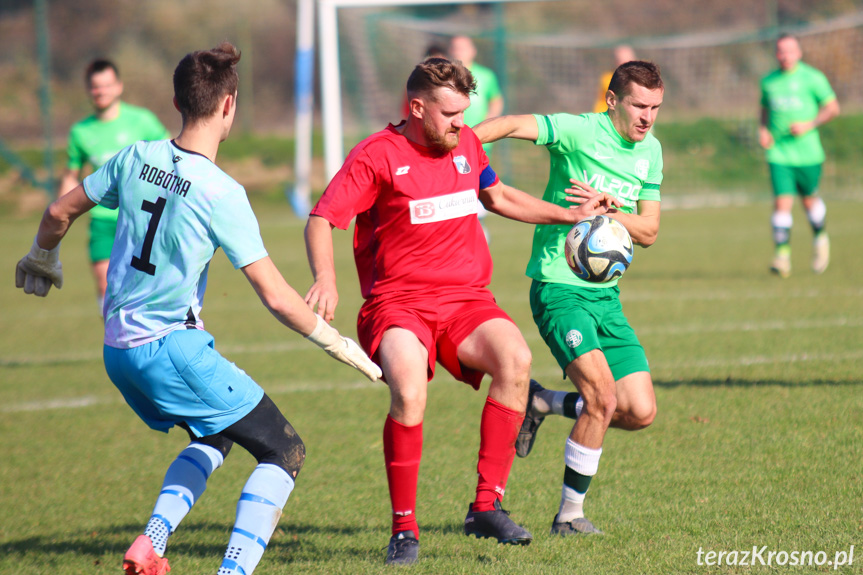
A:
[622,55]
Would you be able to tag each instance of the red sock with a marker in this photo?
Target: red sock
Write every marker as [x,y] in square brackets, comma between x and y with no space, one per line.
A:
[497,433]
[403,448]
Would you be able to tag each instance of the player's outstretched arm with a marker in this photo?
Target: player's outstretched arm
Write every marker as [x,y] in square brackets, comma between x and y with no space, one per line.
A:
[40,268]
[290,309]
[319,249]
[522,127]
[517,205]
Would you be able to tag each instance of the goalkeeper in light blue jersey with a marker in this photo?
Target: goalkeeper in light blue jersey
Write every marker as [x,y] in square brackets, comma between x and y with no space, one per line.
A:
[176,208]
[582,323]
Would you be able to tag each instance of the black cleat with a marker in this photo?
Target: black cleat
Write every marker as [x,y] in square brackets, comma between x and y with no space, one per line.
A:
[580,526]
[532,421]
[403,549]
[495,524]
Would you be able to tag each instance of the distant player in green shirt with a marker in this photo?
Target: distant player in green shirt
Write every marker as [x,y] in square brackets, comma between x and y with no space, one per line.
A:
[93,141]
[795,100]
[487,101]
[583,323]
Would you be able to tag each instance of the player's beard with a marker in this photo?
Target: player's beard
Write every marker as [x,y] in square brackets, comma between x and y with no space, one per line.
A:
[437,141]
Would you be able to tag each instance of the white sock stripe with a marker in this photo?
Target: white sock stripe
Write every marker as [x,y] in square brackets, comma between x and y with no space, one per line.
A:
[782,220]
[211,453]
[251,537]
[581,459]
[184,497]
[817,212]
[571,505]
[570,494]
[270,482]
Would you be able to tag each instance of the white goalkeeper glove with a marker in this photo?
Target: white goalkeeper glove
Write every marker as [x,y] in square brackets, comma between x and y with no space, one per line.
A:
[38,270]
[343,349]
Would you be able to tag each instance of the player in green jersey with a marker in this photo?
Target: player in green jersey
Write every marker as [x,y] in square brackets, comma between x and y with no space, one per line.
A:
[582,323]
[93,141]
[487,101]
[795,100]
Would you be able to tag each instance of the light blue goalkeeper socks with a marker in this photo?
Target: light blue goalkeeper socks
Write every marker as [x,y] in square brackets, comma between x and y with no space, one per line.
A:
[258,512]
[185,482]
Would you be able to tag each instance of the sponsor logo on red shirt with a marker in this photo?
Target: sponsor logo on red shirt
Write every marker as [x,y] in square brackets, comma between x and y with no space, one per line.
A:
[423,210]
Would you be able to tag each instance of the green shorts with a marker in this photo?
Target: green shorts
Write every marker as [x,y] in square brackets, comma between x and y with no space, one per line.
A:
[792,180]
[575,320]
[102,233]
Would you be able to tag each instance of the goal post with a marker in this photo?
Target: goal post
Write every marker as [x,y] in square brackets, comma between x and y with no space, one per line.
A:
[304,64]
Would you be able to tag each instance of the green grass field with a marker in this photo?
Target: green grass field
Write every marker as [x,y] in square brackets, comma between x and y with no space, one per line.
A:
[758,441]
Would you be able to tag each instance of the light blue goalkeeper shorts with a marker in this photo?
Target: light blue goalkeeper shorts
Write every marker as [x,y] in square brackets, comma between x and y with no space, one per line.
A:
[181,378]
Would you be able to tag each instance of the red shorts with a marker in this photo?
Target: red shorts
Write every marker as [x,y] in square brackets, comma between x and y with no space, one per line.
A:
[441,319]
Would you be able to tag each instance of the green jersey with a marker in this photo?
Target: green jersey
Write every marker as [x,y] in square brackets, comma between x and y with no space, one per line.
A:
[789,97]
[487,89]
[94,142]
[588,148]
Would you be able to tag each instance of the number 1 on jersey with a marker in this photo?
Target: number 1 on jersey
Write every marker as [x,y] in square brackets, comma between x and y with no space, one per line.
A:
[143,263]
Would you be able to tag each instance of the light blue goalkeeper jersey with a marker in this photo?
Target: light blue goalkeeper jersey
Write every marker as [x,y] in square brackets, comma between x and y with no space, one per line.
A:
[176,208]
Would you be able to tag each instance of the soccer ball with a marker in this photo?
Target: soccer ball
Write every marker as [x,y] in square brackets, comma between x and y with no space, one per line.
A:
[598,249]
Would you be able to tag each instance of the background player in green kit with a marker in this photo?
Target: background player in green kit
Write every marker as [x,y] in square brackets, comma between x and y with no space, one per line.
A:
[93,141]
[583,323]
[795,100]
[487,101]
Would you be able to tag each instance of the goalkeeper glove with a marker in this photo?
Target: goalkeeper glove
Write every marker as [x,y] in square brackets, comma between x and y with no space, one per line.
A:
[343,349]
[38,270]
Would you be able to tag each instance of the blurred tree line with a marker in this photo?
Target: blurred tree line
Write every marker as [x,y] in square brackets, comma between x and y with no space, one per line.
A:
[146,40]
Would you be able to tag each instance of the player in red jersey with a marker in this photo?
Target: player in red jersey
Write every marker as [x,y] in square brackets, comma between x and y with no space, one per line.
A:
[424,265]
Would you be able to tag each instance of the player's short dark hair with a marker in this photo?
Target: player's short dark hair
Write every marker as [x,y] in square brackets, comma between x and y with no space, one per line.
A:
[434,73]
[644,74]
[203,78]
[785,36]
[100,65]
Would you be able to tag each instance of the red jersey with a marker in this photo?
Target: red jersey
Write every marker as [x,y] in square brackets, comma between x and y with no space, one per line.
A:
[416,213]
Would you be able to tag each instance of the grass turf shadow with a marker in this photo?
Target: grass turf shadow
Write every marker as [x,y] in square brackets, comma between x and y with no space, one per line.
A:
[731,382]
